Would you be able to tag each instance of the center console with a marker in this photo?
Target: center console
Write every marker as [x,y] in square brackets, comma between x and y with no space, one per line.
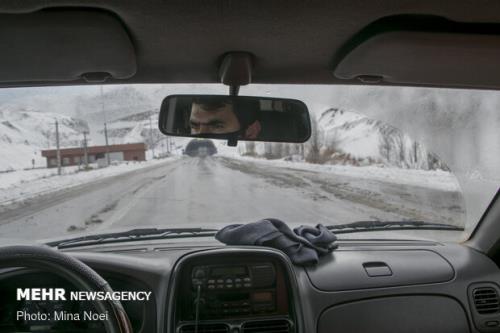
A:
[234,292]
[228,290]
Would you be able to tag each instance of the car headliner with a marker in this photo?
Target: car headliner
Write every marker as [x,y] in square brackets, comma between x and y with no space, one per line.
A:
[293,41]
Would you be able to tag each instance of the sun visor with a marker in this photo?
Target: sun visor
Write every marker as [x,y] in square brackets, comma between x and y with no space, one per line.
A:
[64,45]
[425,58]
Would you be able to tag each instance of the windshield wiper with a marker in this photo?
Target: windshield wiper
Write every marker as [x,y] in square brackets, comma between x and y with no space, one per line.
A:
[134,234]
[362,226]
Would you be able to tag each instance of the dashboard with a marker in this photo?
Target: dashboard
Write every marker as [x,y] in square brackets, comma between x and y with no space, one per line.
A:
[375,286]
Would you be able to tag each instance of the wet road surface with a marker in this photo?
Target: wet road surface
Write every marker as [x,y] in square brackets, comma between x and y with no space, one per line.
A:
[215,191]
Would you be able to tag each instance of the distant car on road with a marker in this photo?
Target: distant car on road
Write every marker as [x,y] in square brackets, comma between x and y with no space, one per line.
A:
[200,148]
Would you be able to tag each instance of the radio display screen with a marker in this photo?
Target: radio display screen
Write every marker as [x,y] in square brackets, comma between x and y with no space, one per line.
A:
[228,270]
[262,297]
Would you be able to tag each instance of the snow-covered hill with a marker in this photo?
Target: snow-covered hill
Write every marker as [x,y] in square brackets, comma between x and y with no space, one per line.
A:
[344,134]
[25,132]
[348,138]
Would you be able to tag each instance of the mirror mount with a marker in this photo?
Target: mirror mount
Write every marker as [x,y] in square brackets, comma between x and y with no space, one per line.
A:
[235,71]
[234,90]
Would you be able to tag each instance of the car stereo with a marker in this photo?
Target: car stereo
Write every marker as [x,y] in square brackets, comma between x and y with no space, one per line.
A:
[234,290]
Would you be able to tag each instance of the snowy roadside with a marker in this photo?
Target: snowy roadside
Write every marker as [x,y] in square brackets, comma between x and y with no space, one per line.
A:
[18,177]
[435,179]
[21,185]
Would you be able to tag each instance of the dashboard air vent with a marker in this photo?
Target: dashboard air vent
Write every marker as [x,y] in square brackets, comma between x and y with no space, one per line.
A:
[267,326]
[486,300]
[205,328]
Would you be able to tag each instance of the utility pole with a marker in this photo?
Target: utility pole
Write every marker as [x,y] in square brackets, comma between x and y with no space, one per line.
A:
[85,153]
[105,126]
[58,154]
[151,136]
[108,162]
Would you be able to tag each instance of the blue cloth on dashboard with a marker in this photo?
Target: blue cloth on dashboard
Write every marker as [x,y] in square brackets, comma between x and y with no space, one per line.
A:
[304,245]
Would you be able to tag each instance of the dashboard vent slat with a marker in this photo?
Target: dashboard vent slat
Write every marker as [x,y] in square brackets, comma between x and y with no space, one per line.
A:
[486,300]
[267,326]
[205,328]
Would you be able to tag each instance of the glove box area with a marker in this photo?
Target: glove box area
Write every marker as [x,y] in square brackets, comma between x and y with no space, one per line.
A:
[354,270]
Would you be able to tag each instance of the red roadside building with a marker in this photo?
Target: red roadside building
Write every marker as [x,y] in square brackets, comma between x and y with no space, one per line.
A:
[76,156]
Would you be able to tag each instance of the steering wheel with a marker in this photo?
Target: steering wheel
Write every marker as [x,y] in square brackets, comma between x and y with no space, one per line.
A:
[74,271]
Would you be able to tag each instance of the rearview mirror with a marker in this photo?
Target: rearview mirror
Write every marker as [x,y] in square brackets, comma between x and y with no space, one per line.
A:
[235,118]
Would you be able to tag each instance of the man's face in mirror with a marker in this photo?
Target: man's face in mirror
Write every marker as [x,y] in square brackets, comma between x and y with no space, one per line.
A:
[213,118]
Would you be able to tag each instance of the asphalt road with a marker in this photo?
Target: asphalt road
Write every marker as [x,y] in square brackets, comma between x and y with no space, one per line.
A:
[216,191]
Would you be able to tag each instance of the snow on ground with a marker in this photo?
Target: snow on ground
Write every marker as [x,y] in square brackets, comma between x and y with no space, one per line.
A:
[436,179]
[21,185]
[19,156]
[16,178]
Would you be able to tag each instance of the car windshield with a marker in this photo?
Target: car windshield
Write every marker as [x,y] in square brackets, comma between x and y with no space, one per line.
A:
[89,159]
